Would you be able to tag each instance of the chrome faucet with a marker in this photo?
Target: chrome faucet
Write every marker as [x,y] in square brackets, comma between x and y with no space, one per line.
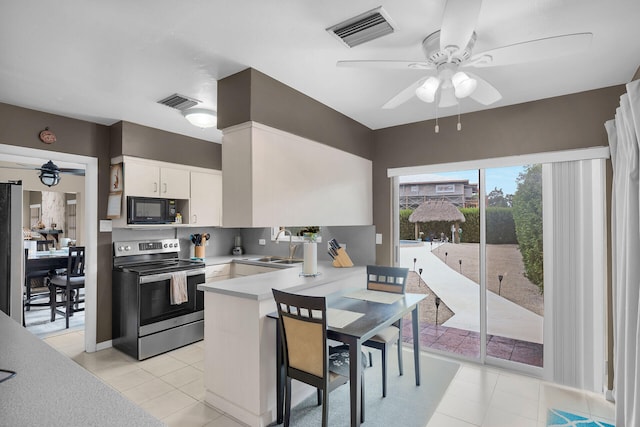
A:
[292,247]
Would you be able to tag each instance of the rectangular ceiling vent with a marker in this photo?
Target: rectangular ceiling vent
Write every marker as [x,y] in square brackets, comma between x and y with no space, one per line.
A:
[363,28]
[179,102]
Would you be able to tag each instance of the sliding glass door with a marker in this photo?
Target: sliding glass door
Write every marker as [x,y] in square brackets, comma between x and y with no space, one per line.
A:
[514,264]
[473,242]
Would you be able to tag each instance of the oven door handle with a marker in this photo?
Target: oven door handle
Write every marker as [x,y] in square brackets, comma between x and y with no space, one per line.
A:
[167,276]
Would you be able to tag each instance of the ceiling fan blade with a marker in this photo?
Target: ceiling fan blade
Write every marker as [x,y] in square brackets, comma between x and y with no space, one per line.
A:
[458,23]
[533,50]
[484,93]
[393,65]
[78,172]
[404,95]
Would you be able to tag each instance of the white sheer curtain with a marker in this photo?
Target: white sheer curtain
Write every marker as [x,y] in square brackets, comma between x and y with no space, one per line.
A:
[575,274]
[625,225]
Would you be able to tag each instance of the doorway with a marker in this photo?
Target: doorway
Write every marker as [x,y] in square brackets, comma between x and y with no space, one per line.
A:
[89,227]
[49,224]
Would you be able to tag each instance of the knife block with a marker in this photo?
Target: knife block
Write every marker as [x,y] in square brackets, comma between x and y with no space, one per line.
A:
[342,259]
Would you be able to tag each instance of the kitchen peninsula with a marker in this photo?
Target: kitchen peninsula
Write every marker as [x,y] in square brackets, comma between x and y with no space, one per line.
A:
[240,341]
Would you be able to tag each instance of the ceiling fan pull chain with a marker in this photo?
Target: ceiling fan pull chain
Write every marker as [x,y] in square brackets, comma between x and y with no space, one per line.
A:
[459,124]
[437,128]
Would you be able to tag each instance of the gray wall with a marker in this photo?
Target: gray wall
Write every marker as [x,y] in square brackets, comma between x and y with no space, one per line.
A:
[253,96]
[141,141]
[21,126]
[359,241]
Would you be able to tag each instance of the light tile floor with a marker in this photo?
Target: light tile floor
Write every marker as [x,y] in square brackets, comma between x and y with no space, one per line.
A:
[171,388]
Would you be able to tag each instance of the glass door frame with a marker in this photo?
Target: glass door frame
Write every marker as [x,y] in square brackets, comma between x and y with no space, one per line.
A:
[481,165]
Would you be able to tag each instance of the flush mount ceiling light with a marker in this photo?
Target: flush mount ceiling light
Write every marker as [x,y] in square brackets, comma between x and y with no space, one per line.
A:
[201,117]
[49,174]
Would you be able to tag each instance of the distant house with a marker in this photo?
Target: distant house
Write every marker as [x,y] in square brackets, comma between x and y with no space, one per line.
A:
[457,191]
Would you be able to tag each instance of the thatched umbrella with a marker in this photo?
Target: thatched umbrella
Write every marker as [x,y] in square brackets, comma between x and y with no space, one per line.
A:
[436,210]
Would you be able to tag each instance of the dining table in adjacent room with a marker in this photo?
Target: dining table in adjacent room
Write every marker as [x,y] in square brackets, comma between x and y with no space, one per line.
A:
[38,264]
[353,317]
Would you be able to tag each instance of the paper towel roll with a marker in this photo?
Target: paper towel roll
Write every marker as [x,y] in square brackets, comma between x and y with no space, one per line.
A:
[310,265]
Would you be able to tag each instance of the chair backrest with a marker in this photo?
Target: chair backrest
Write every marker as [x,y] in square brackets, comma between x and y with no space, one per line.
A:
[44,245]
[75,264]
[387,279]
[303,325]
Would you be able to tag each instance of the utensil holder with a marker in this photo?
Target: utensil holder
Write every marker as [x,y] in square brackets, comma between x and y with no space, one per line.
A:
[199,251]
[342,259]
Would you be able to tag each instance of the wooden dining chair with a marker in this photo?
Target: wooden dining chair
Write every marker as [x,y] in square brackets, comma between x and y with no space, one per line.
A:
[68,286]
[387,279]
[302,321]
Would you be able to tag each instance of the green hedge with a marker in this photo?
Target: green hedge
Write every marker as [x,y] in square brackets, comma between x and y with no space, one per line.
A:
[500,226]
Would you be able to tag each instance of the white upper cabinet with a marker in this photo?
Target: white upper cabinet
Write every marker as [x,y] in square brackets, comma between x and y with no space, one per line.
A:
[149,180]
[174,183]
[274,177]
[197,191]
[206,199]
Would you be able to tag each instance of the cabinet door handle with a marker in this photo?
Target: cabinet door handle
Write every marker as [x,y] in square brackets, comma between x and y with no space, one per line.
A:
[155,187]
[164,185]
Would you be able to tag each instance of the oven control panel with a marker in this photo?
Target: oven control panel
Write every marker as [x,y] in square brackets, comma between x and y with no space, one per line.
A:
[146,247]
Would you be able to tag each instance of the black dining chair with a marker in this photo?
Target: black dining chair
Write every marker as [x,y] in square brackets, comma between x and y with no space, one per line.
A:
[35,287]
[67,285]
[302,321]
[44,245]
[387,279]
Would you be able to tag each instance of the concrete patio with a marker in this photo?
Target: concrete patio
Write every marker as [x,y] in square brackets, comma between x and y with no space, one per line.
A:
[514,333]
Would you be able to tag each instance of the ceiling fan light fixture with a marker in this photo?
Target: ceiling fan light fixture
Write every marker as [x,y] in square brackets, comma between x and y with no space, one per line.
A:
[427,91]
[49,174]
[201,117]
[463,84]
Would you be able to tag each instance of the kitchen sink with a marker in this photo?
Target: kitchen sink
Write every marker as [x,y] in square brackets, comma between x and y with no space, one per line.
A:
[288,261]
[277,260]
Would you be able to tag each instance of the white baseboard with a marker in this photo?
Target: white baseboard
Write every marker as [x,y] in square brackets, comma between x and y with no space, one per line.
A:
[102,345]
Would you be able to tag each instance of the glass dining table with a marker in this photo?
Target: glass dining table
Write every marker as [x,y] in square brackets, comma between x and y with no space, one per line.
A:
[353,317]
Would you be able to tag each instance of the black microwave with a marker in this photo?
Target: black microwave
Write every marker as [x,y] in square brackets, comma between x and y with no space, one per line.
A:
[150,210]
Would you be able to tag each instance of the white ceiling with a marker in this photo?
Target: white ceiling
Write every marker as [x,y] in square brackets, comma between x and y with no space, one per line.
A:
[105,61]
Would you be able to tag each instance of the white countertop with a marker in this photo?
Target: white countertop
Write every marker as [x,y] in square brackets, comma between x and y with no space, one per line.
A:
[52,389]
[259,286]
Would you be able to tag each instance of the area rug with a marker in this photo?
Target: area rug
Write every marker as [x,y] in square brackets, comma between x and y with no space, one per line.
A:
[558,418]
[405,405]
[38,322]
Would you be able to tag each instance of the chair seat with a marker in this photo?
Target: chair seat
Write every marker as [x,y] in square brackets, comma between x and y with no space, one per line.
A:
[62,280]
[389,334]
[339,360]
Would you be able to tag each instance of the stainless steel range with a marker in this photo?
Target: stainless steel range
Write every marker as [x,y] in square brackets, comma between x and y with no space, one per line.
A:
[146,319]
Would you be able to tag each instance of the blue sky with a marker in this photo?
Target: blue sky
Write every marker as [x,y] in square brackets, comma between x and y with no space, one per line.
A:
[504,178]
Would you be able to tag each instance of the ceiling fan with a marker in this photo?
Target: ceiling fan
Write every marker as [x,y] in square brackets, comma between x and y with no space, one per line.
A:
[450,50]
[50,172]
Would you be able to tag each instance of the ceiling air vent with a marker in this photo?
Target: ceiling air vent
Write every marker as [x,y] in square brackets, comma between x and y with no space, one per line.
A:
[363,28]
[179,102]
